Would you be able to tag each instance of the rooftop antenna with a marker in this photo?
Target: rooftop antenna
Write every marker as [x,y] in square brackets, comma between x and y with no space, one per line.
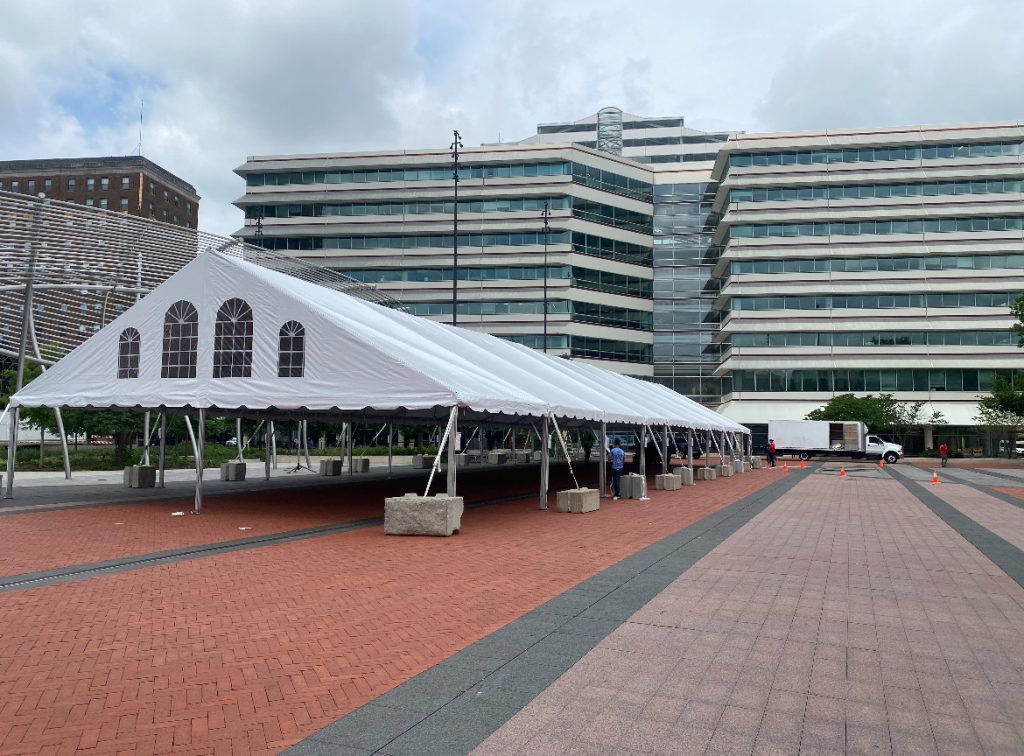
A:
[142,107]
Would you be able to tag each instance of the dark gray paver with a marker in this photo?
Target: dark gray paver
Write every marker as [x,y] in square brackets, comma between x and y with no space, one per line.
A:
[520,660]
[1004,554]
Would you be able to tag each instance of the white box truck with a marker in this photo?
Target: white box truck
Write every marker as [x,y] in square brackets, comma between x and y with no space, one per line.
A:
[823,438]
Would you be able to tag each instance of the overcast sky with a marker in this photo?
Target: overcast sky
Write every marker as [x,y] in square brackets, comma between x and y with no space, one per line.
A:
[223,79]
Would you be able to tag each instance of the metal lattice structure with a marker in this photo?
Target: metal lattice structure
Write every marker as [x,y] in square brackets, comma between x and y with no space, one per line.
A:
[85,266]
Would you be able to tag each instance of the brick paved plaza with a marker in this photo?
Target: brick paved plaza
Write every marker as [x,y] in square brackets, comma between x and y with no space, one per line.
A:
[772,612]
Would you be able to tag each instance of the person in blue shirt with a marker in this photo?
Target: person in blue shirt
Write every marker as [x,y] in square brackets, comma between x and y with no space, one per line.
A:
[618,458]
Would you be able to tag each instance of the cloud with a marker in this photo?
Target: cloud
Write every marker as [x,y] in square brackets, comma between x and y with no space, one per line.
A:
[224,79]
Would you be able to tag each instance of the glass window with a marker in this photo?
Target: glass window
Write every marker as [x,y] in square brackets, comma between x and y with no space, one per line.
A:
[125,182]
[292,350]
[128,351]
[181,341]
[232,342]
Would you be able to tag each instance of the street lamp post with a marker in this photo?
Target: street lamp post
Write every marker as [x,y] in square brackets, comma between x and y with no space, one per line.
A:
[455,146]
[546,215]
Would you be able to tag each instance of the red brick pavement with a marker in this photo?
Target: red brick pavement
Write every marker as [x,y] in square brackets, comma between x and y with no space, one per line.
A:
[251,651]
[112,532]
[1011,490]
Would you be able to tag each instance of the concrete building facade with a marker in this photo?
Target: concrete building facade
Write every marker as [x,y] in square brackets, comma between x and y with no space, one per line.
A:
[387,218]
[131,184]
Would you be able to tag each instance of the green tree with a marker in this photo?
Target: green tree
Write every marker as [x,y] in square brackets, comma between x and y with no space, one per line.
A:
[1002,411]
[882,412]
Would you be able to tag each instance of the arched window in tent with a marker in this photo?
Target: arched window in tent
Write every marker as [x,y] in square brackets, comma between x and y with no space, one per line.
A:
[292,355]
[128,348]
[232,340]
[181,341]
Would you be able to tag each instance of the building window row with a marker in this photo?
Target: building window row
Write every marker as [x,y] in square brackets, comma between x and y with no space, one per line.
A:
[580,312]
[584,278]
[232,344]
[688,157]
[884,264]
[384,175]
[534,204]
[845,381]
[585,209]
[879,227]
[875,154]
[873,191]
[588,347]
[874,301]
[587,244]
[607,181]
[874,338]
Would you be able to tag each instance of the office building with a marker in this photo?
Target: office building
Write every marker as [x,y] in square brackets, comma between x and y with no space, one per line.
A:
[130,184]
[387,218]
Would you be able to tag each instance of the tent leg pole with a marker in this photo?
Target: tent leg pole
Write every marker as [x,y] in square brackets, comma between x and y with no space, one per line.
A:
[602,473]
[145,437]
[270,441]
[689,450]
[664,450]
[544,464]
[452,452]
[343,444]
[305,443]
[391,452]
[643,452]
[12,449]
[161,458]
[200,447]
[721,452]
[272,450]
[64,443]
[350,442]
[238,439]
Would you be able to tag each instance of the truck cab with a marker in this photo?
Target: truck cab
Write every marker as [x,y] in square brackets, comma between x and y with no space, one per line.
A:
[878,448]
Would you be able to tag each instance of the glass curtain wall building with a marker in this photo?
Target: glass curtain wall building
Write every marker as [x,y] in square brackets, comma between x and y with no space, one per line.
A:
[686,349]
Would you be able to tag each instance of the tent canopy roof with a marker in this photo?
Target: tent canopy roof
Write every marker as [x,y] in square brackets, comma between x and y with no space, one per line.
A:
[228,335]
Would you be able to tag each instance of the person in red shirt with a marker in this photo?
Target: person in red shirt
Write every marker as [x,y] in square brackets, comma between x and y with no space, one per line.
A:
[943,453]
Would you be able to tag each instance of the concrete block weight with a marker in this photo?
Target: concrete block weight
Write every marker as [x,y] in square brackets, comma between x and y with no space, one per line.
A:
[439,515]
[234,471]
[667,482]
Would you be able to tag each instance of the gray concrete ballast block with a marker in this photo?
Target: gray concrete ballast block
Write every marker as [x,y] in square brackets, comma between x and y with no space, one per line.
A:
[232,470]
[667,482]
[439,515]
[330,467]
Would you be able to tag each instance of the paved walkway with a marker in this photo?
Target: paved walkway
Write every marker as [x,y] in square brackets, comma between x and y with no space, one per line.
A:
[771,612]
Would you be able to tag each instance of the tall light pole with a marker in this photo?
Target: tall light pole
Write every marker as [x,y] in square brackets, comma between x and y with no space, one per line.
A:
[455,147]
[546,215]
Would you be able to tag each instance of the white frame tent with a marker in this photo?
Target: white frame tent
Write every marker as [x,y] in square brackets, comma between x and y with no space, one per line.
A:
[360,362]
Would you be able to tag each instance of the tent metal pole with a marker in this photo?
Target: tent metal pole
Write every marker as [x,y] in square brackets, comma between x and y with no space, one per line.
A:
[273,444]
[162,456]
[602,473]
[391,433]
[565,450]
[664,450]
[200,446]
[344,443]
[266,457]
[721,453]
[437,458]
[643,452]
[689,450]
[453,433]
[305,443]
[63,443]
[350,446]
[12,447]
[238,439]
[145,435]
[544,464]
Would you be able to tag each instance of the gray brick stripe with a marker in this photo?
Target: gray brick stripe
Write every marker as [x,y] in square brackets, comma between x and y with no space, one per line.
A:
[1004,554]
[455,705]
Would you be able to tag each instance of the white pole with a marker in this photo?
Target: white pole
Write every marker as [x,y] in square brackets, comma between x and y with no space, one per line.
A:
[350,447]
[305,443]
[643,452]
[200,447]
[163,445]
[12,449]
[451,451]
[602,474]
[689,450]
[63,443]
[565,450]
[437,459]
[544,464]
[270,442]
[273,444]
[664,450]
[238,439]
[391,433]
[145,435]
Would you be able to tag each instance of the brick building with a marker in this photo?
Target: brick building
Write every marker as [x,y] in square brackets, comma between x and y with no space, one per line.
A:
[130,184]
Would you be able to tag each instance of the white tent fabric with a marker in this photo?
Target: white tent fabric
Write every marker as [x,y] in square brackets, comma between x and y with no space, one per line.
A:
[360,360]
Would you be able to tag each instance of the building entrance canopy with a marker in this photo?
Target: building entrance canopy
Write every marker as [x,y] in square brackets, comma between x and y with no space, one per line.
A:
[228,336]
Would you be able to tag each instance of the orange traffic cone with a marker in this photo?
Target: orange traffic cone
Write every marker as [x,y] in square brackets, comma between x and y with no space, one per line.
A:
[881,463]
[935,477]
[785,467]
[842,471]
[802,464]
